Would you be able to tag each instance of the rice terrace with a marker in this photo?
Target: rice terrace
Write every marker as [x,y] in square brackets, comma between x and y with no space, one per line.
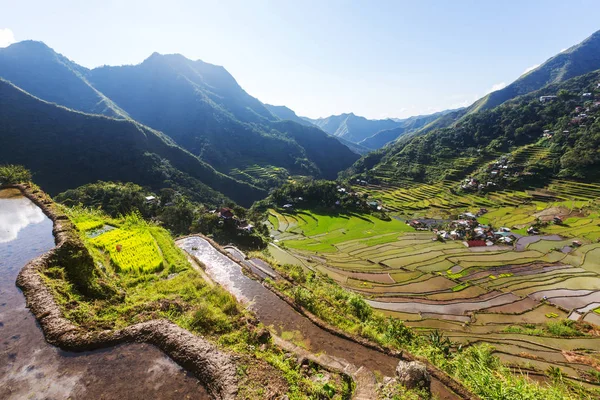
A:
[530,287]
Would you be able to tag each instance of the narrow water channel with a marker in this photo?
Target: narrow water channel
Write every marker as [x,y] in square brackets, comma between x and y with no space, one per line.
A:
[32,369]
[271,310]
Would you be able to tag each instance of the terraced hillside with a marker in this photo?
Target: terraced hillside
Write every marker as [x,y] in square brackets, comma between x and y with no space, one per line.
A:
[536,301]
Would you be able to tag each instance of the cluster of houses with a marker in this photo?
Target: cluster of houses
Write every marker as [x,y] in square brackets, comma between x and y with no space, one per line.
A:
[580,112]
[471,232]
[228,217]
[499,168]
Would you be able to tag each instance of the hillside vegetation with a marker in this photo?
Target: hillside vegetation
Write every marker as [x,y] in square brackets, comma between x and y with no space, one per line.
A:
[565,128]
[65,149]
[197,104]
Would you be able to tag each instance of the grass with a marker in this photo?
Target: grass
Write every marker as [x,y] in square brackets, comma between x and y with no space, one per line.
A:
[178,293]
[323,231]
[343,245]
[562,328]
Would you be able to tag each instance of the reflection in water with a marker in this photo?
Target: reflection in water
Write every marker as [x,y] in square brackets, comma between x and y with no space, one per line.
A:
[16,214]
[32,369]
[271,310]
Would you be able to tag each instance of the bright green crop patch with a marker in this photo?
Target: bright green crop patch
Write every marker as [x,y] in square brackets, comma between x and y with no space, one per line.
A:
[87,221]
[327,230]
[132,250]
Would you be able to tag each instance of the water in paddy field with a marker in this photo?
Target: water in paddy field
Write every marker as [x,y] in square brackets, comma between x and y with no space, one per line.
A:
[31,368]
[271,310]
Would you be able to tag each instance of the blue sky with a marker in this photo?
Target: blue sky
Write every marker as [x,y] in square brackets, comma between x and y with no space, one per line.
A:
[375,58]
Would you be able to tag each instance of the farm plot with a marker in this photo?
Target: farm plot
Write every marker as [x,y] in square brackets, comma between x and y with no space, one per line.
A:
[130,250]
[470,294]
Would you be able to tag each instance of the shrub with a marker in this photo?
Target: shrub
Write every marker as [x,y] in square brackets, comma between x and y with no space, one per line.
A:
[208,319]
[359,307]
[14,174]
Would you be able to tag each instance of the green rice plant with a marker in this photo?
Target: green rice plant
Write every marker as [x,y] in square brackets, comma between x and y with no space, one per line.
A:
[130,250]
[461,286]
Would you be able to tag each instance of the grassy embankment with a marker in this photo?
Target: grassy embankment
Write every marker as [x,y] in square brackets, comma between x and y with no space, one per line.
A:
[154,280]
[362,251]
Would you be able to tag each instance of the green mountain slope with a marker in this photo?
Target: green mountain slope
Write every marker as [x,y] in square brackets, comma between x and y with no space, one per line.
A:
[39,70]
[66,149]
[352,127]
[203,108]
[406,126]
[577,60]
[559,138]
[285,113]
[199,105]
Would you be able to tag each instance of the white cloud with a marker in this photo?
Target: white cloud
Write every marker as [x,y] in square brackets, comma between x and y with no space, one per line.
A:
[7,37]
[496,86]
[16,214]
[530,69]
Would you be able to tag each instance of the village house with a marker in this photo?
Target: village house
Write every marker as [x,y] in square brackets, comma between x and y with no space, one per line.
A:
[475,243]
[151,200]
[225,213]
[545,99]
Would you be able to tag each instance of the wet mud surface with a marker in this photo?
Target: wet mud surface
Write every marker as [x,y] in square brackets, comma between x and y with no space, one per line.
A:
[271,310]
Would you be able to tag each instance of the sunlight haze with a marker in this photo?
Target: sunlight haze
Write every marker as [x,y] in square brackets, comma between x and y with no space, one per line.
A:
[376,59]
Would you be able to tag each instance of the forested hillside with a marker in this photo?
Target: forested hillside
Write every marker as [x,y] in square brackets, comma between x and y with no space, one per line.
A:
[567,127]
[37,69]
[199,105]
[65,149]
[572,62]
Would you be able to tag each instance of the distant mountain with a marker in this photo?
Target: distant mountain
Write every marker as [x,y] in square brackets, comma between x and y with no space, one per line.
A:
[539,141]
[575,61]
[65,149]
[405,126]
[285,113]
[197,104]
[352,127]
[37,69]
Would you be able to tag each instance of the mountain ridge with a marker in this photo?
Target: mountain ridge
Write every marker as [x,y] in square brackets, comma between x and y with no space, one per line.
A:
[66,148]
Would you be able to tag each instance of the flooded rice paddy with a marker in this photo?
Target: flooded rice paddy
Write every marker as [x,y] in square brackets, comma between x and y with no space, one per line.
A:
[273,311]
[467,293]
[31,368]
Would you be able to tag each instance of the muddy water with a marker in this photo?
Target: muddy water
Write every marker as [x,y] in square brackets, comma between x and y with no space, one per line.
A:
[30,368]
[271,310]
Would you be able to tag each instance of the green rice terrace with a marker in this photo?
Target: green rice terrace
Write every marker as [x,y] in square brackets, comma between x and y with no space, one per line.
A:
[261,175]
[534,297]
[154,279]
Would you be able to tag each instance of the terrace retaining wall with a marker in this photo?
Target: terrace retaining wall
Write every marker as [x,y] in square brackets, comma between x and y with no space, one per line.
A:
[213,367]
[435,372]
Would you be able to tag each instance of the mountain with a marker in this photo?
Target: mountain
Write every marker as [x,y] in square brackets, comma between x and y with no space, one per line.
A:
[37,69]
[285,113]
[65,149]
[537,141]
[405,126]
[203,109]
[575,61]
[352,127]
[197,104]
[412,154]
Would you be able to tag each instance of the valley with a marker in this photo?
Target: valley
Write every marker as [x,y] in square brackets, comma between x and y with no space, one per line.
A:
[166,234]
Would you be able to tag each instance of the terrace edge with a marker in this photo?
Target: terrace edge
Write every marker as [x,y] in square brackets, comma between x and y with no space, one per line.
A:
[214,368]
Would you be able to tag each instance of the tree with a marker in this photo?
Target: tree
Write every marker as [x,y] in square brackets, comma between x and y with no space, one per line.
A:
[10,174]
